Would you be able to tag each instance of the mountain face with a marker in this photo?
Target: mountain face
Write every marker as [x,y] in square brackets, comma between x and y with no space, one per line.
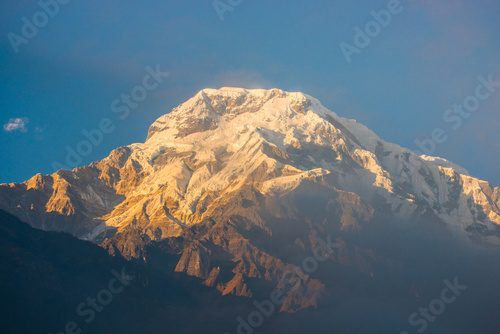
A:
[47,278]
[244,185]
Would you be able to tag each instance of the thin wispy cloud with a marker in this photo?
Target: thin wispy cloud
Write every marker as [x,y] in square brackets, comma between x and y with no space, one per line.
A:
[242,78]
[16,124]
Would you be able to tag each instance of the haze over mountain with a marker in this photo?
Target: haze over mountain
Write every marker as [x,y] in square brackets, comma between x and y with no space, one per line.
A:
[240,186]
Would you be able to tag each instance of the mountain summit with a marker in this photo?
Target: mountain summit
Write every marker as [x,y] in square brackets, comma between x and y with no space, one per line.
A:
[238,181]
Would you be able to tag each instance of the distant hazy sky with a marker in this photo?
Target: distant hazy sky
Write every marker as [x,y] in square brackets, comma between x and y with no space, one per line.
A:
[426,60]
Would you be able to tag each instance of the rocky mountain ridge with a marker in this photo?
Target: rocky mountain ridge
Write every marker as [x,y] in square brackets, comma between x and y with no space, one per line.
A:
[242,183]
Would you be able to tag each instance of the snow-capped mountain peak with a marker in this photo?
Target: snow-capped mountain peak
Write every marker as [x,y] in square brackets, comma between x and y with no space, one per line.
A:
[265,161]
[222,140]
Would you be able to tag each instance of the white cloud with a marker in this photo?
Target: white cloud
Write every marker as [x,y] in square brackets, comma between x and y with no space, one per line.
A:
[242,78]
[16,124]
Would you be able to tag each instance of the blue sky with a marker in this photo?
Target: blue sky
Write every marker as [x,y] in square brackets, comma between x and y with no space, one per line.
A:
[64,79]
